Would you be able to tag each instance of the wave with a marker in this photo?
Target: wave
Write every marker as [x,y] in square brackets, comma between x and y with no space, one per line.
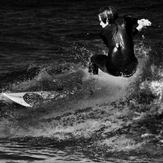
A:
[120,115]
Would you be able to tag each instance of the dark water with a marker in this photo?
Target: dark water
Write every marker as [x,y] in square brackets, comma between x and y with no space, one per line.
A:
[45,46]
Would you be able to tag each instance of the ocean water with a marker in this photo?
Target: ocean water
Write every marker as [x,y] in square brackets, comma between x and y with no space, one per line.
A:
[45,46]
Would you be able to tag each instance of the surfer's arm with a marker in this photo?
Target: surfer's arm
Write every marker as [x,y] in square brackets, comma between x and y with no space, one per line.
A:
[143,23]
[136,24]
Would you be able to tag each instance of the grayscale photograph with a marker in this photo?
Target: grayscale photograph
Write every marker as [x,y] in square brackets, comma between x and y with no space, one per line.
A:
[81,81]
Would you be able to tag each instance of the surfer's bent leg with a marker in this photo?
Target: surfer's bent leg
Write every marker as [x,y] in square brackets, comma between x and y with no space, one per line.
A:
[104,63]
[98,61]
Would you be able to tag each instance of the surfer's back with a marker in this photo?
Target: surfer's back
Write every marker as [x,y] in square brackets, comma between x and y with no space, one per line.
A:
[119,34]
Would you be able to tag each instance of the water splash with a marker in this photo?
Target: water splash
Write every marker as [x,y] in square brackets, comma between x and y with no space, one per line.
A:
[98,118]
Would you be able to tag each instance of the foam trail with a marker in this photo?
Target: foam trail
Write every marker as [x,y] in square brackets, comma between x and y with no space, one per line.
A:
[105,80]
[105,88]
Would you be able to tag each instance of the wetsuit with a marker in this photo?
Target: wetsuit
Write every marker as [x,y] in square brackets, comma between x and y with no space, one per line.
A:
[118,37]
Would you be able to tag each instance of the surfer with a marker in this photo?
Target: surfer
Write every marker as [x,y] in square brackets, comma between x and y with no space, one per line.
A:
[117,34]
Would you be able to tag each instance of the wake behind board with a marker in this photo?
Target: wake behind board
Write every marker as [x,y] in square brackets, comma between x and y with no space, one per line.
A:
[30,99]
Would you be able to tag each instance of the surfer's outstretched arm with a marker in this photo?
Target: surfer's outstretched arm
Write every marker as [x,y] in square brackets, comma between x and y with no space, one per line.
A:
[143,23]
[137,24]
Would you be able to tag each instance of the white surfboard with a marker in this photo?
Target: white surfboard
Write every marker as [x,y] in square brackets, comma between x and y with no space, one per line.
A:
[29,99]
[17,98]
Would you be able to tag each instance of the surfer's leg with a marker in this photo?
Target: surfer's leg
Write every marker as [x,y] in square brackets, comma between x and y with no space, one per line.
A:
[98,61]
[102,62]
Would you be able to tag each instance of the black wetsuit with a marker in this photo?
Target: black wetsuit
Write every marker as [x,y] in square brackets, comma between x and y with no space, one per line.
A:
[118,37]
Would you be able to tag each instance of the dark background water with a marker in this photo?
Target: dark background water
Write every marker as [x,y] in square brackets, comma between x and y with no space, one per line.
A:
[38,31]
[36,36]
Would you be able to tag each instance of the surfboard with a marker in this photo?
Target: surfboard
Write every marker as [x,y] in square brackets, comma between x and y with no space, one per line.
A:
[30,99]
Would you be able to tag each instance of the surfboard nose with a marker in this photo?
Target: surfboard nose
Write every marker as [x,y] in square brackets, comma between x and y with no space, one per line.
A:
[15,97]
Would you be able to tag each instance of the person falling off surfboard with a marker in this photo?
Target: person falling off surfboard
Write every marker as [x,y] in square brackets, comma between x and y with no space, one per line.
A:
[117,34]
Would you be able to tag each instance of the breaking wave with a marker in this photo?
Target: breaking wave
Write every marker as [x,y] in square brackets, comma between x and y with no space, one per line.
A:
[102,117]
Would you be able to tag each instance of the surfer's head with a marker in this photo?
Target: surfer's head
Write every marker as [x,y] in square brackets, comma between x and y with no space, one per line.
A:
[107,16]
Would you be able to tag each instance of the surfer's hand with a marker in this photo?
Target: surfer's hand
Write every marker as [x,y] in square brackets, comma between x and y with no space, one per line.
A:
[143,23]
